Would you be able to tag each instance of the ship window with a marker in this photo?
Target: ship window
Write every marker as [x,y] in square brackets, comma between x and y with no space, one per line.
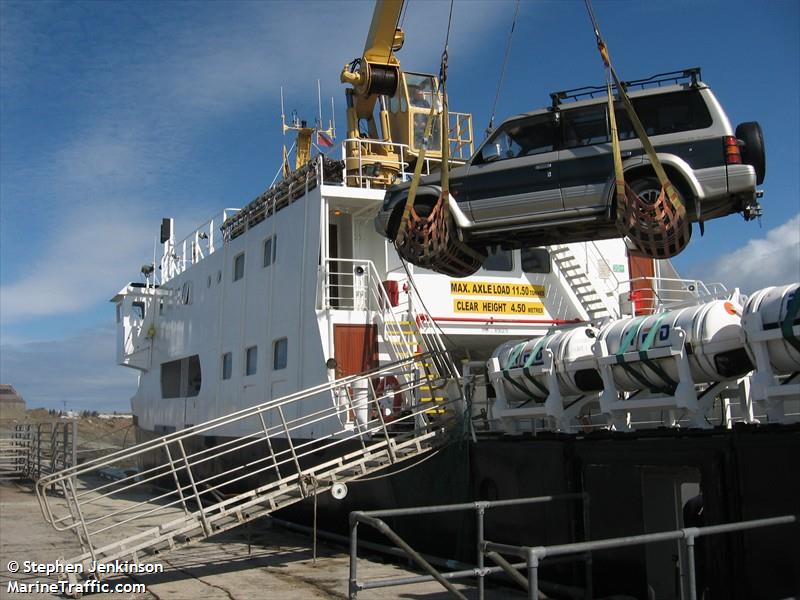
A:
[535,260]
[251,362]
[270,250]
[171,379]
[194,378]
[208,283]
[181,378]
[227,365]
[186,292]
[219,276]
[137,310]
[238,267]
[280,354]
[499,260]
[119,313]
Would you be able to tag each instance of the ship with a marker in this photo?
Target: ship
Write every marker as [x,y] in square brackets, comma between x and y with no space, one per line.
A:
[297,290]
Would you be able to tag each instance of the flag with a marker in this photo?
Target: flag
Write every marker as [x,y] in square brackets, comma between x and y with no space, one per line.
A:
[324,140]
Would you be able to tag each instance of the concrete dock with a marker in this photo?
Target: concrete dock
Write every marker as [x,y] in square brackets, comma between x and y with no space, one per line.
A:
[276,564]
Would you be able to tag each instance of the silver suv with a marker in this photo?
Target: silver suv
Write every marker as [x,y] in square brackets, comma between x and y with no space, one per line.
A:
[546,176]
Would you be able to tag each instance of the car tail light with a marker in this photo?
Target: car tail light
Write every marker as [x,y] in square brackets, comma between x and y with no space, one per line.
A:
[732,154]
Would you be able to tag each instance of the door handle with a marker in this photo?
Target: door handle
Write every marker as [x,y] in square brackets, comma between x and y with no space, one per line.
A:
[626,154]
[544,167]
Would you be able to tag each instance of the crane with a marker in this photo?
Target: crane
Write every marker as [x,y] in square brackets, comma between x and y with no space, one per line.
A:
[379,150]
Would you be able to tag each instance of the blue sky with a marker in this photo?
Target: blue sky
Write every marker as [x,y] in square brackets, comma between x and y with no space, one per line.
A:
[114,114]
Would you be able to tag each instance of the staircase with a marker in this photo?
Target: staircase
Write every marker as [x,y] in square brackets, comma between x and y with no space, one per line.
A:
[404,331]
[595,304]
[271,462]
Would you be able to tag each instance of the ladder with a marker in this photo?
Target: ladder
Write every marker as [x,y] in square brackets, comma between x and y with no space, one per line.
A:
[191,485]
[595,305]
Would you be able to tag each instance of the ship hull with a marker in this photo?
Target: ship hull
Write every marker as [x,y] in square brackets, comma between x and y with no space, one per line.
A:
[636,483]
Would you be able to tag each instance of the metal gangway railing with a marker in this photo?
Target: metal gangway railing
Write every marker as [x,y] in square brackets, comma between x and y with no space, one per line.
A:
[356,285]
[532,556]
[217,475]
[33,450]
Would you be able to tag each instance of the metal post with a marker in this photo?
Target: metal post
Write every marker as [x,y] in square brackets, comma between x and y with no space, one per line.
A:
[269,444]
[479,514]
[175,477]
[533,575]
[353,582]
[206,526]
[300,481]
[690,559]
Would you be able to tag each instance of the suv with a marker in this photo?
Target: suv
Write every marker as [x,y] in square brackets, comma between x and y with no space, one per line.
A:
[547,176]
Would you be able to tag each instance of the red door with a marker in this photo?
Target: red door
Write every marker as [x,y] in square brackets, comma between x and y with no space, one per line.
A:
[355,348]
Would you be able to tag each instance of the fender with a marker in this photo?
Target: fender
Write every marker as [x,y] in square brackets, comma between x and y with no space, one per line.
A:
[668,160]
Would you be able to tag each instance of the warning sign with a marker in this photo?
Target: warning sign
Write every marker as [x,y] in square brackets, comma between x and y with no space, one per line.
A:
[464,305]
[491,288]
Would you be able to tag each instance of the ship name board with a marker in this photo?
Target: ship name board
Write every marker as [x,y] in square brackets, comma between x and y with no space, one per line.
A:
[465,305]
[490,288]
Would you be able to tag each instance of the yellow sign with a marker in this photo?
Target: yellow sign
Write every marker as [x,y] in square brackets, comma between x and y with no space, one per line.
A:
[464,305]
[491,288]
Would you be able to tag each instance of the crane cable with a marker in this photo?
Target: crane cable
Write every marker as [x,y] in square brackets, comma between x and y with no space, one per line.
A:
[660,229]
[503,70]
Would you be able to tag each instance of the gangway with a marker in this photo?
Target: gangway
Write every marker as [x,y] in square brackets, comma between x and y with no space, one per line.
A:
[212,477]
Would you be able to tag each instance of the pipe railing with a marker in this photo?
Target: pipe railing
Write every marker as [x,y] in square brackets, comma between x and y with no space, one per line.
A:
[534,555]
[374,518]
[257,453]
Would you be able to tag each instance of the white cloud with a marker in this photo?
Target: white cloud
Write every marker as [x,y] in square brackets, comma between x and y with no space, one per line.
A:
[79,370]
[762,262]
[85,262]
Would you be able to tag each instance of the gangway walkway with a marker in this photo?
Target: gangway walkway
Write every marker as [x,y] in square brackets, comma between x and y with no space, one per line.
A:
[217,475]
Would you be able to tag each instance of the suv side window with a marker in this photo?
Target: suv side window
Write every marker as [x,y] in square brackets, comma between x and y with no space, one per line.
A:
[527,137]
[666,113]
[585,126]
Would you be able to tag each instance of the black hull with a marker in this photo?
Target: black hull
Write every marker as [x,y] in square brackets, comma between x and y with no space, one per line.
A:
[634,482]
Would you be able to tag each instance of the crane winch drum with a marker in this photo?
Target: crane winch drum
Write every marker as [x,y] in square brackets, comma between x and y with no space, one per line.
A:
[570,354]
[710,336]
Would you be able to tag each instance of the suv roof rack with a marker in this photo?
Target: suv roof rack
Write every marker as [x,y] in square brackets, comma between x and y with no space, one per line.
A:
[692,75]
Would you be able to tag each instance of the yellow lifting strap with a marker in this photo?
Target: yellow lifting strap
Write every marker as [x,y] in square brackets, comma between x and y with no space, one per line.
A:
[660,229]
[432,240]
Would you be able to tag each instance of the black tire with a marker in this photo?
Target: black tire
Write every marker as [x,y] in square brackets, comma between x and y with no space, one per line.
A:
[753,152]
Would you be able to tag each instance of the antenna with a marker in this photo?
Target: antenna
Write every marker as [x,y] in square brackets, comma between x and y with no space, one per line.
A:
[333,119]
[283,115]
[319,103]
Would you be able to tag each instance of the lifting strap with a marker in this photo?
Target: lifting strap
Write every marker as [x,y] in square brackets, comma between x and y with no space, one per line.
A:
[660,229]
[432,241]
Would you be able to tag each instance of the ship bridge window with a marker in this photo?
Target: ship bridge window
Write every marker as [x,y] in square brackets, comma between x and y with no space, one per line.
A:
[280,354]
[238,266]
[137,310]
[499,260]
[270,250]
[181,378]
[535,260]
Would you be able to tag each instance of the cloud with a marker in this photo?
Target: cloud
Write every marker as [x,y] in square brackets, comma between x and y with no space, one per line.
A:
[79,370]
[762,262]
[84,263]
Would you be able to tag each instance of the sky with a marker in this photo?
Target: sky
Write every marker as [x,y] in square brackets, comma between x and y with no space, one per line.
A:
[116,114]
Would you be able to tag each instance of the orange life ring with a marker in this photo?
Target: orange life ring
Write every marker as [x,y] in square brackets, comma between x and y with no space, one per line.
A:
[389,382]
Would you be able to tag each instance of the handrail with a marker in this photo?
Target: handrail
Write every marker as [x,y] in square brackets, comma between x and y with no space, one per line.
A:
[533,555]
[284,441]
[374,518]
[666,293]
